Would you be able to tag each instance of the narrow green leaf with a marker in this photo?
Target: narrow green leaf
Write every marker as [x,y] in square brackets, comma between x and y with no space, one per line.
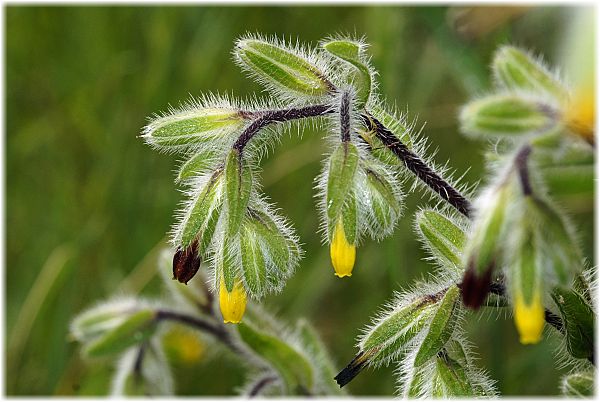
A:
[515,69]
[253,261]
[578,320]
[343,165]
[441,327]
[281,68]
[507,115]
[202,210]
[445,239]
[196,163]
[451,379]
[229,263]
[384,201]
[349,219]
[350,52]
[238,185]
[278,248]
[295,371]
[137,328]
[193,127]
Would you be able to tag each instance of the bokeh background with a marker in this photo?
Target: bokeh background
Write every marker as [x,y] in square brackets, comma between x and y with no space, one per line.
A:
[88,204]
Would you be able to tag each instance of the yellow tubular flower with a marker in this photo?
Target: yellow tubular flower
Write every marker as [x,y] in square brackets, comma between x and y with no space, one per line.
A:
[233,304]
[529,319]
[342,253]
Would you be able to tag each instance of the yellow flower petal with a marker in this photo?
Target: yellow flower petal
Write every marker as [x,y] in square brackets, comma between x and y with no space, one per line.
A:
[580,114]
[529,319]
[233,304]
[343,254]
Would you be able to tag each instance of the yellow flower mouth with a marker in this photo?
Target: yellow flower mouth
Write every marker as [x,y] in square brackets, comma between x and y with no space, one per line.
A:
[529,319]
[233,304]
[343,254]
[580,115]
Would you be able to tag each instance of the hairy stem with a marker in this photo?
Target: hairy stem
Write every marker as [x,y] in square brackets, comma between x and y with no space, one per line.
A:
[416,165]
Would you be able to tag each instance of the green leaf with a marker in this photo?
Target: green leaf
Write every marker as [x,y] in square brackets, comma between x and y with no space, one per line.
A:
[229,263]
[281,68]
[350,52]
[441,327]
[578,320]
[193,127]
[278,248]
[515,69]
[238,185]
[202,211]
[578,384]
[385,207]
[349,219]
[343,165]
[507,115]
[197,163]
[295,371]
[135,329]
[445,239]
[253,261]
[450,379]
[390,334]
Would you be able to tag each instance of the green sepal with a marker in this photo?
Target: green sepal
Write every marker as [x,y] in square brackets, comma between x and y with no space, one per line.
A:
[445,239]
[253,261]
[206,204]
[343,165]
[238,185]
[135,329]
[349,219]
[193,127]
[292,366]
[578,321]
[281,68]
[350,52]
[506,115]
[229,263]
[578,384]
[526,279]
[514,69]
[441,326]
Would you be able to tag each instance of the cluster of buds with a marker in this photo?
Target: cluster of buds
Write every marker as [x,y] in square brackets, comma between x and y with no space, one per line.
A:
[518,232]
[226,221]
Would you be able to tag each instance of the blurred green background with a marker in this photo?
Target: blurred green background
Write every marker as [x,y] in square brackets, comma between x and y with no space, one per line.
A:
[88,204]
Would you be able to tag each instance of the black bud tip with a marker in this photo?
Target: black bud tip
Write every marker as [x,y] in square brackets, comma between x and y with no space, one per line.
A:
[351,370]
[475,288]
[186,263]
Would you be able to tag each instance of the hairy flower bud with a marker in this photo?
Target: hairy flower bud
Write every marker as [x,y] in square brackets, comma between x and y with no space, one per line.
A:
[186,263]
[238,185]
[280,68]
[193,127]
[515,69]
[507,115]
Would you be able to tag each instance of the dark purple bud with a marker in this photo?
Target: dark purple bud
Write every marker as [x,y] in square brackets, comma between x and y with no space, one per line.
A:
[475,287]
[186,263]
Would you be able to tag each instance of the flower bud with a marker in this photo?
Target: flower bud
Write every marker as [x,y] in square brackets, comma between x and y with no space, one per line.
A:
[526,284]
[351,52]
[515,69]
[343,165]
[190,128]
[186,263]
[382,201]
[232,303]
[343,253]
[284,70]
[254,265]
[507,115]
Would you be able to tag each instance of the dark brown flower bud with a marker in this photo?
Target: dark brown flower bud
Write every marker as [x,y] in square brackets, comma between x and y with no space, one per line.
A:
[475,287]
[186,263]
